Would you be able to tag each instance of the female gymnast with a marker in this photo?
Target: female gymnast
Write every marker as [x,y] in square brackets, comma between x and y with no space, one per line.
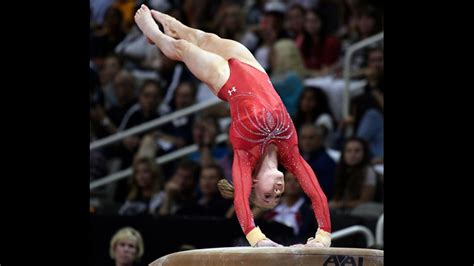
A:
[262,133]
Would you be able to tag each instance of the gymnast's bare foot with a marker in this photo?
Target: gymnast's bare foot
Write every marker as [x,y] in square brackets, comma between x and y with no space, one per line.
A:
[170,24]
[147,25]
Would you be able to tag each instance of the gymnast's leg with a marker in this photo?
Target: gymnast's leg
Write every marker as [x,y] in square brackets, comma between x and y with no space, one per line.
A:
[210,42]
[208,67]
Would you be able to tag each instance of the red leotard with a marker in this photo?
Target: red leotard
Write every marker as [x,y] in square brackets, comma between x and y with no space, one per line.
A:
[259,118]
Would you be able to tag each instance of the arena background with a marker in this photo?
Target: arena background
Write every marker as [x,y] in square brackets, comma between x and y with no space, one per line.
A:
[133,86]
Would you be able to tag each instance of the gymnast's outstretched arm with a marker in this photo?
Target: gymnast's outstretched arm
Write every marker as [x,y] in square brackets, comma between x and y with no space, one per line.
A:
[292,160]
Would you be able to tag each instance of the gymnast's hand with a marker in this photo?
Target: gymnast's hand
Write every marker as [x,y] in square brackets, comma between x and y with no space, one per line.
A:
[267,243]
[313,243]
[322,239]
[310,244]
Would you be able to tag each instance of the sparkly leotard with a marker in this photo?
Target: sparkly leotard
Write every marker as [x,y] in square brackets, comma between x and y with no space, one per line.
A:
[258,119]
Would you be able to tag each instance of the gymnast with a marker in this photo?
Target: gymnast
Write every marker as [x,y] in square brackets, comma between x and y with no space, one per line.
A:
[261,132]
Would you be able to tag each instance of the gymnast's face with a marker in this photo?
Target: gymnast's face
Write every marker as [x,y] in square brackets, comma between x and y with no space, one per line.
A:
[268,187]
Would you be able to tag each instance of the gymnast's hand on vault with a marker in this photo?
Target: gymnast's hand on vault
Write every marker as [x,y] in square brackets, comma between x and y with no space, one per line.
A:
[267,243]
